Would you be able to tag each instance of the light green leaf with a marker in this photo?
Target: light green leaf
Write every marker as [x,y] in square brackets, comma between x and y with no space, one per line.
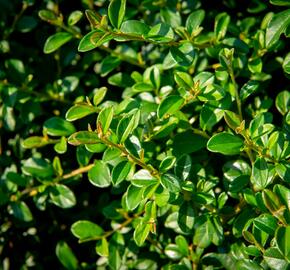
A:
[276,27]
[84,229]
[79,111]
[105,118]
[194,20]
[56,41]
[170,105]
[74,17]
[135,27]
[34,142]
[99,174]
[260,174]
[66,256]
[62,196]
[282,102]
[283,240]
[225,143]
[84,137]
[133,197]
[116,12]
[56,126]
[93,40]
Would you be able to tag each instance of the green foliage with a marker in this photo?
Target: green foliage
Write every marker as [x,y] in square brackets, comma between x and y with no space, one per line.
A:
[156,131]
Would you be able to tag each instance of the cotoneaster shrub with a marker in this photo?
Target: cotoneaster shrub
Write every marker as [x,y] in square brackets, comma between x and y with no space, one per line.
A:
[154,133]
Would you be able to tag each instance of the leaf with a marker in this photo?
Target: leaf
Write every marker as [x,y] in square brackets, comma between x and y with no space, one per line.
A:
[169,105]
[280,2]
[99,174]
[222,21]
[276,27]
[167,163]
[209,116]
[172,252]
[56,126]
[161,32]
[266,223]
[187,142]
[282,102]
[260,174]
[34,142]
[232,119]
[135,27]
[286,64]
[133,146]
[127,125]
[66,256]
[171,182]
[61,146]
[79,111]
[141,232]
[56,41]
[120,172]
[21,211]
[93,40]
[133,197]
[99,95]
[38,167]
[225,143]
[102,247]
[84,229]
[84,137]
[249,88]
[283,240]
[275,259]
[74,17]
[194,20]
[62,196]
[183,55]
[183,167]
[116,12]
[105,118]
[184,80]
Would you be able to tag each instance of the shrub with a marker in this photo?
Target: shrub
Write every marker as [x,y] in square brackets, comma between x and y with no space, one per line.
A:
[157,135]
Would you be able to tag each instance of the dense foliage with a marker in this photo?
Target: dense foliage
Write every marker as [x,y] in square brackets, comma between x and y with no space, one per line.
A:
[145,134]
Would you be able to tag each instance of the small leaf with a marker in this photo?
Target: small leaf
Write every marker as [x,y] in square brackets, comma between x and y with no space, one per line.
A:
[66,256]
[183,55]
[102,247]
[169,105]
[141,232]
[83,137]
[184,80]
[280,2]
[34,142]
[276,27]
[105,118]
[56,41]
[84,229]
[99,174]
[133,197]
[79,111]
[222,21]
[283,102]
[260,174]
[61,146]
[56,126]
[286,64]
[62,196]
[116,12]
[135,27]
[99,95]
[283,240]
[21,211]
[167,163]
[161,32]
[93,40]
[275,259]
[249,88]
[225,143]
[120,172]
[194,20]
[38,167]
[74,17]
[171,182]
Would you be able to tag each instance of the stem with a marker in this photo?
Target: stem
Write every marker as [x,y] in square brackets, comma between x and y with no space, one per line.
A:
[78,171]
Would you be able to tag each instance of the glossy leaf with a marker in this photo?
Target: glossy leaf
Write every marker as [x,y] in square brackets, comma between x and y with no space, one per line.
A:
[84,229]
[55,41]
[99,174]
[66,256]
[57,126]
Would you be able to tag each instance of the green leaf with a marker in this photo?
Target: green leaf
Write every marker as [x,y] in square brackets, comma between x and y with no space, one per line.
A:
[116,12]
[56,126]
[61,146]
[187,142]
[62,196]
[102,247]
[280,2]
[93,40]
[209,116]
[222,21]
[120,172]
[105,118]
[276,27]
[183,55]
[38,167]
[225,143]
[249,88]
[260,174]
[286,64]
[171,182]
[56,41]
[183,167]
[127,125]
[84,229]
[194,20]
[133,146]
[266,223]
[167,163]
[99,174]
[84,137]
[186,217]
[21,211]
[161,32]
[99,95]
[275,259]
[34,142]
[282,102]
[79,111]
[169,105]
[283,240]
[172,251]
[232,119]
[66,256]
[135,27]
[182,245]
[184,80]
[141,232]
[74,17]
[133,197]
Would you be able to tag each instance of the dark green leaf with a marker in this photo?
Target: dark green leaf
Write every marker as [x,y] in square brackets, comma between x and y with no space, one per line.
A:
[84,229]
[169,105]
[116,12]
[57,126]
[66,256]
